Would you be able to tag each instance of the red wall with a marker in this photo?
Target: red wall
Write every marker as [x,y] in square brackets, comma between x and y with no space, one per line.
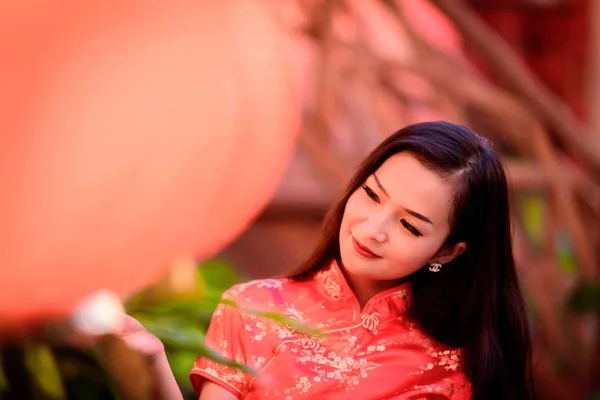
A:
[553,40]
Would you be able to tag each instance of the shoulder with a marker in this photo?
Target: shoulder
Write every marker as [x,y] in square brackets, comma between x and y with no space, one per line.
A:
[260,293]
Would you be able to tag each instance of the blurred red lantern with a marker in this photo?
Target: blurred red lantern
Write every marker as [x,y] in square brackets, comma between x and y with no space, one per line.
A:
[134,133]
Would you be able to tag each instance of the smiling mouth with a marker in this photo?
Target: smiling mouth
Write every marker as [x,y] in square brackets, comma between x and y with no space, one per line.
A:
[363,250]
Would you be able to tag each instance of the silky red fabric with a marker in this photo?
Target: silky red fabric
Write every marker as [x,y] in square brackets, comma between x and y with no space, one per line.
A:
[375,354]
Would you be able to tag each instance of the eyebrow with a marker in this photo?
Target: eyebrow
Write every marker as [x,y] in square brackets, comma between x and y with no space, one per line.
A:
[380,185]
[409,211]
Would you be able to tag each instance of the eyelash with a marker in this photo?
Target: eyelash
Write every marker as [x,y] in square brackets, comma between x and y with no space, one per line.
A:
[373,196]
[410,228]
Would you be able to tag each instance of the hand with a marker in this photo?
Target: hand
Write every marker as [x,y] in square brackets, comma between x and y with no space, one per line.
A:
[100,316]
[128,329]
[102,313]
[139,339]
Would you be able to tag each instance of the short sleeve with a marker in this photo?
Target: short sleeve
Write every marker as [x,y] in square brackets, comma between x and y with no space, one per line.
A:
[438,383]
[226,336]
[431,372]
[455,388]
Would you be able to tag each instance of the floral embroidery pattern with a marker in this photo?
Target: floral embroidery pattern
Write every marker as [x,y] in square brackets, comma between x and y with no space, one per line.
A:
[353,357]
[330,283]
[294,316]
[311,343]
[449,359]
[370,322]
[333,289]
[337,362]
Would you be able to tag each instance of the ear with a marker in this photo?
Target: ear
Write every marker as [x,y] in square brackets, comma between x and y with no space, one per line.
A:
[449,253]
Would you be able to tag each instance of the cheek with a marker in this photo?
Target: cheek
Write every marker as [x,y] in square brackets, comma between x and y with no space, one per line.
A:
[356,212]
[412,252]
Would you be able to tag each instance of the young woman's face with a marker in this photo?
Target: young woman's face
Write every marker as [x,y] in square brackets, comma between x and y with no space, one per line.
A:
[397,221]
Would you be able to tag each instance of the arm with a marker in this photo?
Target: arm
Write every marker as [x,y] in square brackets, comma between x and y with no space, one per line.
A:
[136,337]
[212,391]
[227,337]
[167,386]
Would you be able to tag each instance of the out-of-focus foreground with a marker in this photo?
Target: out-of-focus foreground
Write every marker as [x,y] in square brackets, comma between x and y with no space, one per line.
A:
[521,73]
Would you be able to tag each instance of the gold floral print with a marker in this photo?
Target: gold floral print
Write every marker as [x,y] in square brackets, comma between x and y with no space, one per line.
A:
[333,288]
[371,354]
[370,322]
[311,343]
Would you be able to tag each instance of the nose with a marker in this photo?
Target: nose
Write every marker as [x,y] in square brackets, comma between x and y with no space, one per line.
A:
[375,228]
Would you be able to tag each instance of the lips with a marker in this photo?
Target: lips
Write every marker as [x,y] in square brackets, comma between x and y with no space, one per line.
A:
[363,250]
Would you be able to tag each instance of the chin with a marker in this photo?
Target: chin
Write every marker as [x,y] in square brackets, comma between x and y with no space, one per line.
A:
[360,267]
[370,270]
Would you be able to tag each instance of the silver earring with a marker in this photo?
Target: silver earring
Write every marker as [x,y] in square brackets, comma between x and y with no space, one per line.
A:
[435,267]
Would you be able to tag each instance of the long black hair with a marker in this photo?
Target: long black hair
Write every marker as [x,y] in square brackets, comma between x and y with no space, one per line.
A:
[474,302]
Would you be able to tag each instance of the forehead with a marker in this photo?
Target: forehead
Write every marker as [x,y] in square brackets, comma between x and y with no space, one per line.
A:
[411,185]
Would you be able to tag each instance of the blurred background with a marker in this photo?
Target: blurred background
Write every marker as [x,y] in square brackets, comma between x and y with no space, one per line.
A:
[523,73]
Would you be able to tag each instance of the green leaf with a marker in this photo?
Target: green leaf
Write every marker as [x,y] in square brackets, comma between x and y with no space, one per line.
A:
[207,301]
[566,255]
[211,354]
[181,363]
[202,309]
[534,209]
[179,336]
[43,368]
[283,320]
[212,279]
[586,298]
[180,322]
[218,275]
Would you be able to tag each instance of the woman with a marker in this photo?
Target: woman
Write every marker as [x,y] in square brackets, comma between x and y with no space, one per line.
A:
[412,288]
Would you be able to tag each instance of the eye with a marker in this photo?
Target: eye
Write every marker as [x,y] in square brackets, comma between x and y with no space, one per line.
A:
[410,228]
[371,193]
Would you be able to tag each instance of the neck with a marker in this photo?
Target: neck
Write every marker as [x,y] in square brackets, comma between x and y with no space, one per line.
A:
[365,289]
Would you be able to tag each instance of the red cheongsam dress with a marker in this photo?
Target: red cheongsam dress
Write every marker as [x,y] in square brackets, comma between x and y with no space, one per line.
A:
[373,354]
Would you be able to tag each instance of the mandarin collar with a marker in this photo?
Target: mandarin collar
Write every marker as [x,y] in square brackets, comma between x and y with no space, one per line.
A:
[333,285]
